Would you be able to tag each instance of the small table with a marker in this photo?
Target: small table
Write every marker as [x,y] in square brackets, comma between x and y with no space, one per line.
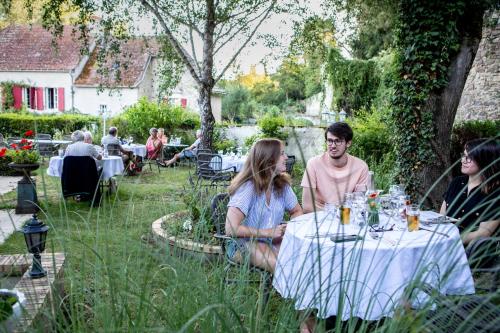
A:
[137,149]
[55,142]
[111,166]
[229,162]
[366,278]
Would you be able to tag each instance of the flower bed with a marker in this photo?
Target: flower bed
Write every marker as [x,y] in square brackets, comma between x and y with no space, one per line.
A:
[184,242]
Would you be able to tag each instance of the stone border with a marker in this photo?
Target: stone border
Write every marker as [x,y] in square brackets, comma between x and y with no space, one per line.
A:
[161,234]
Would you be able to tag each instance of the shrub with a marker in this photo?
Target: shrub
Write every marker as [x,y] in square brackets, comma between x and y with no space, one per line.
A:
[221,142]
[272,127]
[15,124]
[237,105]
[140,117]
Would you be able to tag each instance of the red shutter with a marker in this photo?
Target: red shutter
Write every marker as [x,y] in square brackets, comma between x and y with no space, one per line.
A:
[184,102]
[60,99]
[32,98]
[39,98]
[17,93]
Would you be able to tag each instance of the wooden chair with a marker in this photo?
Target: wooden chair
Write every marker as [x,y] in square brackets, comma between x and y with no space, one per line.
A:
[218,209]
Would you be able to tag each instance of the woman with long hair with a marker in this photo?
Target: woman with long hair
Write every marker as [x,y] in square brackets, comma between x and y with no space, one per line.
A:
[259,196]
[473,198]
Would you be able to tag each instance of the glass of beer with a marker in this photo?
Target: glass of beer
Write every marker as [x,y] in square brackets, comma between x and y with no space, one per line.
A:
[345,209]
[412,217]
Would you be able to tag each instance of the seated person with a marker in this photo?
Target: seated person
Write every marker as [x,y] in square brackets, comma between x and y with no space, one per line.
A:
[81,148]
[88,139]
[112,138]
[161,135]
[473,199]
[189,152]
[259,196]
[154,145]
[332,174]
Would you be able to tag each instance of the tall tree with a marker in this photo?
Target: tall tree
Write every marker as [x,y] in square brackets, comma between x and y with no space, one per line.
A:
[218,25]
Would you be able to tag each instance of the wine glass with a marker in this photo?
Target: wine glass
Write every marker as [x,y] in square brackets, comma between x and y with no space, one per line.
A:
[130,140]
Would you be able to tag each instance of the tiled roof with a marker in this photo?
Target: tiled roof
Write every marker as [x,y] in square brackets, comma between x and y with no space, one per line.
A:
[123,70]
[29,48]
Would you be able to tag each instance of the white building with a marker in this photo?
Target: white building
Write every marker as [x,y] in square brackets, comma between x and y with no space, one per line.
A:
[49,80]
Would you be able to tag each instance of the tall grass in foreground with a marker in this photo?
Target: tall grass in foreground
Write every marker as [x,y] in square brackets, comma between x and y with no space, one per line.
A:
[116,283]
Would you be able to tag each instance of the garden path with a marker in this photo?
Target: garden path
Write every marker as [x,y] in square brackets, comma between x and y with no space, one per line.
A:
[9,221]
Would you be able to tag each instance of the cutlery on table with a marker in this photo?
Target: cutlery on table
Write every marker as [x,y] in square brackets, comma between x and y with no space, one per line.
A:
[437,232]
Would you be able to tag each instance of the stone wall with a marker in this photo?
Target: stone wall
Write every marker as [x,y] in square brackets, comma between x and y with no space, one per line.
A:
[481,95]
[303,142]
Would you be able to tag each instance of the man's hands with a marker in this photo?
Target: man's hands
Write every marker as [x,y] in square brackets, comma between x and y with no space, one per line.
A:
[277,232]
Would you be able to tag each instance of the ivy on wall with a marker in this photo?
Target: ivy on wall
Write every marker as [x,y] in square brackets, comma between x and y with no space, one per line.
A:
[355,82]
[427,39]
[7,96]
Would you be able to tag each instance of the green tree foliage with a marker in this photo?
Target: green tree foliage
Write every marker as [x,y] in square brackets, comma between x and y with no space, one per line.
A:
[237,104]
[290,77]
[355,82]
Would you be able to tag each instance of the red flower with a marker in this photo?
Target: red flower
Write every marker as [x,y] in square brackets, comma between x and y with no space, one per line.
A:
[3,151]
[28,133]
[28,147]
[372,195]
[23,140]
[13,145]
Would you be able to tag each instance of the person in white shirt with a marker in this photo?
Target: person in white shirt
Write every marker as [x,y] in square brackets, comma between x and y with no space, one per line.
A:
[81,148]
[189,152]
[112,138]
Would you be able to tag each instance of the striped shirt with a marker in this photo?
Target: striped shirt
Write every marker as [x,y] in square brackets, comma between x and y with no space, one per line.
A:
[259,214]
[81,148]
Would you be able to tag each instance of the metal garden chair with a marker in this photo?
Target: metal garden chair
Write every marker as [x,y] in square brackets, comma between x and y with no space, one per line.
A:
[210,173]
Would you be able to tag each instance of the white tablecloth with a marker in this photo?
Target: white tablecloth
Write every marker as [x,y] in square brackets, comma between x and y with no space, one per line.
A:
[368,275]
[230,162]
[138,150]
[111,166]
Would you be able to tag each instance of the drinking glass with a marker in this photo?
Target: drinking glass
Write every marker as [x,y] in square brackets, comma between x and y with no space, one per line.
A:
[130,140]
[345,209]
[105,152]
[361,188]
[413,217]
[359,208]
[220,152]
[61,152]
[331,209]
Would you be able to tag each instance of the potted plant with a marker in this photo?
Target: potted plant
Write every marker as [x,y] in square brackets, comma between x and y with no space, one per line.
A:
[23,155]
[11,306]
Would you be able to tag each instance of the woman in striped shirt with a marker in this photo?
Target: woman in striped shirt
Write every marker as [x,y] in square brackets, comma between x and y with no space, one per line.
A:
[260,195]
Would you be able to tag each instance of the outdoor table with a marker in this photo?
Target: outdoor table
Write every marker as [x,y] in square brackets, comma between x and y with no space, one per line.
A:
[111,166]
[137,149]
[229,162]
[366,278]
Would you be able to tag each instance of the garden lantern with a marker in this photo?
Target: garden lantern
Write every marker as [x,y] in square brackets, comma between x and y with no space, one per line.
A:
[35,235]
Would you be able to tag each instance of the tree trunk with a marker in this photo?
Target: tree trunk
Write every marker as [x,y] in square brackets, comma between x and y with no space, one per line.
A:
[436,174]
[207,118]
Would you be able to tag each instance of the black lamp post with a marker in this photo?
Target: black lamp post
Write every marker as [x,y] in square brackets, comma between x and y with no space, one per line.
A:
[35,235]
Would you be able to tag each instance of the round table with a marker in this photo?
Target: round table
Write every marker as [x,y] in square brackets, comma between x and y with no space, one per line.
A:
[137,149]
[229,162]
[111,166]
[366,278]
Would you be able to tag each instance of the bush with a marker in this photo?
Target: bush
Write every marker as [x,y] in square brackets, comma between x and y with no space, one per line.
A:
[272,127]
[237,105]
[15,124]
[140,117]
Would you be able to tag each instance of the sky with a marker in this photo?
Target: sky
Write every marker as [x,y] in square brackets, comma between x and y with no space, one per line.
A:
[280,26]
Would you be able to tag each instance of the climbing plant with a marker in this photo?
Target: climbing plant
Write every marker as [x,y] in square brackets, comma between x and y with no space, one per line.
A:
[7,93]
[436,42]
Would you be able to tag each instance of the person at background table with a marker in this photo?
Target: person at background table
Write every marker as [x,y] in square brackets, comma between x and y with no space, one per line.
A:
[259,196]
[112,139]
[154,146]
[189,152]
[81,148]
[88,139]
[335,172]
[161,135]
[473,198]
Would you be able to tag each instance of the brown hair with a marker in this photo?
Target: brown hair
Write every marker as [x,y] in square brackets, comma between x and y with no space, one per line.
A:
[260,168]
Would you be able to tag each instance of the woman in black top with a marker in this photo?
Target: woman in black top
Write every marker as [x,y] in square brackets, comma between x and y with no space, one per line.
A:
[473,199]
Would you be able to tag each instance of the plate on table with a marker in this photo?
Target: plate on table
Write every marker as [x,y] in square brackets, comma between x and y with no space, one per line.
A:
[428,216]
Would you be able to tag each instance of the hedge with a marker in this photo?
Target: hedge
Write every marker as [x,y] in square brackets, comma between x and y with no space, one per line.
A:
[15,124]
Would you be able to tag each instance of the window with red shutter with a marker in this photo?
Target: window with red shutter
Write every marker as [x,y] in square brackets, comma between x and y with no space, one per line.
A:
[60,99]
[39,98]
[17,93]
[184,102]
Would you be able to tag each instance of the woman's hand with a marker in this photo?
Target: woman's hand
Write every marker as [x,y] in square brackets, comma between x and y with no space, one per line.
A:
[277,232]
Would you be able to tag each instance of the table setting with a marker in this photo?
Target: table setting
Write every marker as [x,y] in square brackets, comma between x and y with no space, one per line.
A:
[137,149]
[229,160]
[111,166]
[339,262]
